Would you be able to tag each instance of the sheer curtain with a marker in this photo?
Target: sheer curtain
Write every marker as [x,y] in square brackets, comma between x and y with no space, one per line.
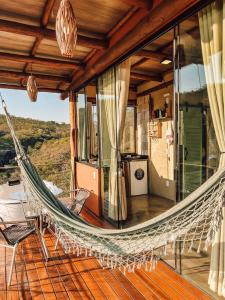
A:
[111,120]
[114,89]
[212,31]
[122,94]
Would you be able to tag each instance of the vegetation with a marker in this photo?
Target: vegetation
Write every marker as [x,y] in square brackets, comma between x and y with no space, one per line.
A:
[47,144]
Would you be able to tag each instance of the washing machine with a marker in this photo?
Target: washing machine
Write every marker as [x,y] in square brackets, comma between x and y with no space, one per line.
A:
[138,177]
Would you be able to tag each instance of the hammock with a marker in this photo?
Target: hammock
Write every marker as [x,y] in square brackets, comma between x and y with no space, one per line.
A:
[195,219]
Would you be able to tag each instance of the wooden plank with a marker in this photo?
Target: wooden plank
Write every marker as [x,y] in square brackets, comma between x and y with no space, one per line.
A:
[132,289]
[151,279]
[152,55]
[70,277]
[43,279]
[42,32]
[76,282]
[149,291]
[36,45]
[156,88]
[115,284]
[146,77]
[18,87]
[19,75]
[121,22]
[194,291]
[146,28]
[140,62]
[89,280]
[42,61]
[47,11]
[145,4]
[34,284]
[96,272]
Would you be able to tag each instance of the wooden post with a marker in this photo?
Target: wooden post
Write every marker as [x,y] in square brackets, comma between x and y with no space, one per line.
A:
[73,139]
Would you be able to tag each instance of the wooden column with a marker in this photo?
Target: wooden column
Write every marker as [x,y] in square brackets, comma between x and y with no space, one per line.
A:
[73,137]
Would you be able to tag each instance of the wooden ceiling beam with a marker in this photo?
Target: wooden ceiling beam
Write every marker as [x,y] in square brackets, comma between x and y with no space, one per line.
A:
[146,77]
[44,22]
[23,75]
[19,87]
[129,38]
[126,24]
[152,55]
[121,22]
[155,88]
[50,63]
[47,12]
[145,4]
[42,32]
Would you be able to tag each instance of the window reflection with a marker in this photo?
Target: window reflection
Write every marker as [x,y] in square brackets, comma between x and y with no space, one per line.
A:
[198,146]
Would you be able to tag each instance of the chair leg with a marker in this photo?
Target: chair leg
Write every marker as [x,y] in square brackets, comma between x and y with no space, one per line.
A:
[12,264]
[43,245]
[43,231]
[57,241]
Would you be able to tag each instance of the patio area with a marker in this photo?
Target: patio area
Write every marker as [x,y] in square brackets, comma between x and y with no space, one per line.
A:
[71,277]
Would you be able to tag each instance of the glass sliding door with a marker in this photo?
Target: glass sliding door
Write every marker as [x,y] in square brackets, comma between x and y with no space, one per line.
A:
[197,151]
[201,127]
[82,125]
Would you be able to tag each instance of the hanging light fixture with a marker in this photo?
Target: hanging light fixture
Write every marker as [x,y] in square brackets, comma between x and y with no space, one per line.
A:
[66,29]
[32,87]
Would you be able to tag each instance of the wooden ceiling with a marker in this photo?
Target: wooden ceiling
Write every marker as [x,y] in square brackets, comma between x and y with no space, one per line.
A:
[28,43]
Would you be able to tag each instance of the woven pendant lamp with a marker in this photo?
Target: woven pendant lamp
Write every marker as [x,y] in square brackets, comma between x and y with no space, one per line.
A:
[32,88]
[66,29]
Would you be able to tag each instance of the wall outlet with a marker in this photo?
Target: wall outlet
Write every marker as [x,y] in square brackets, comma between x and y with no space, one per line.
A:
[167,183]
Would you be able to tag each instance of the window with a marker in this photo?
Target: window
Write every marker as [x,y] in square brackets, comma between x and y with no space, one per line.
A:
[82,126]
[129,136]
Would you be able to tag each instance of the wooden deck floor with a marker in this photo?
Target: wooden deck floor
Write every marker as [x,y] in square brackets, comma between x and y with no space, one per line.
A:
[71,277]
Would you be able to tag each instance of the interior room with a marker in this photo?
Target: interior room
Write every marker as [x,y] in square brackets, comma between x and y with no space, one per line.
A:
[145,155]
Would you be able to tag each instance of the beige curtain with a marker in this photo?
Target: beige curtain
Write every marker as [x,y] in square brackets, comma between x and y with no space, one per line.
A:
[122,94]
[110,110]
[212,31]
[115,108]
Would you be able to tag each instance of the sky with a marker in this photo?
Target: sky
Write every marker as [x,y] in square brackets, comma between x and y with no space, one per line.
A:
[48,107]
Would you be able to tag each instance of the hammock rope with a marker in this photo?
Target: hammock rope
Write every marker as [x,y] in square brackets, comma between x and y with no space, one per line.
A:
[194,220]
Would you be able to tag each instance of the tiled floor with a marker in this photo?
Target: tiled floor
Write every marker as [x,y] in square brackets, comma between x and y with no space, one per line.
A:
[145,207]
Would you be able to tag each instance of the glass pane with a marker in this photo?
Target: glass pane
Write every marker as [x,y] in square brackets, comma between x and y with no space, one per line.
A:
[94,139]
[128,141]
[198,146]
[81,122]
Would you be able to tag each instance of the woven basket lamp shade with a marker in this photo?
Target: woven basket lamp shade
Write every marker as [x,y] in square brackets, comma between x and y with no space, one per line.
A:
[32,88]
[66,29]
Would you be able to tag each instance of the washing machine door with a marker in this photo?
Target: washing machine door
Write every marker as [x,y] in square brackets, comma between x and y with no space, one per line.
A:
[139,177]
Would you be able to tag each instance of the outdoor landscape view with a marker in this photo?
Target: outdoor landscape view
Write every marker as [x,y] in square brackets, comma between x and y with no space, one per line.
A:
[46,142]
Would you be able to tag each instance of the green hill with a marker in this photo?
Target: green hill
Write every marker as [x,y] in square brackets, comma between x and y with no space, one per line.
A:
[47,144]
